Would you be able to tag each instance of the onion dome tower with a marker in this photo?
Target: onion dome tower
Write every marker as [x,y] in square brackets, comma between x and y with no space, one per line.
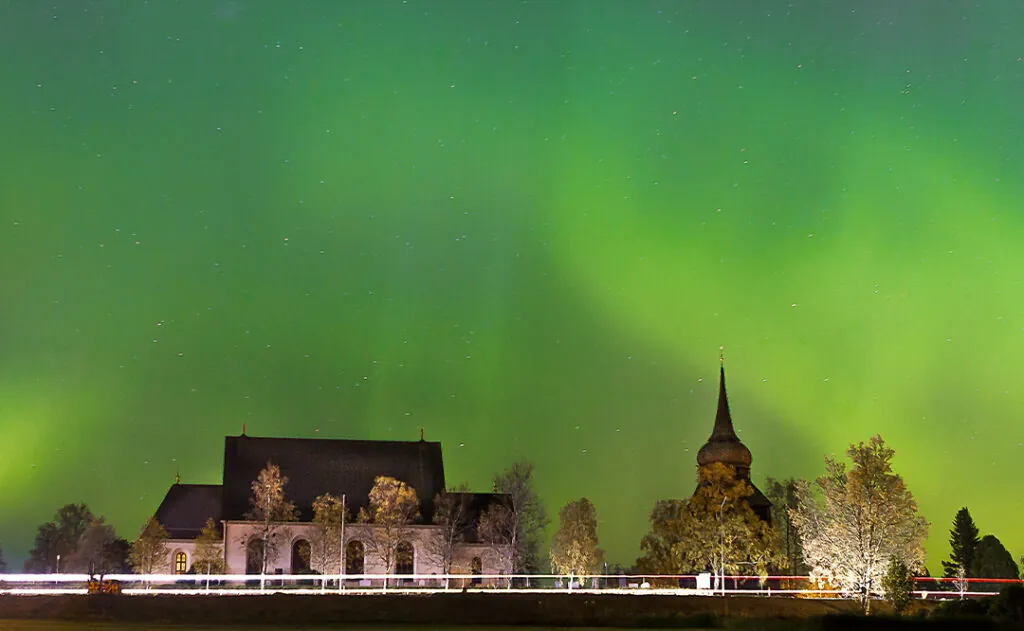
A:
[726,447]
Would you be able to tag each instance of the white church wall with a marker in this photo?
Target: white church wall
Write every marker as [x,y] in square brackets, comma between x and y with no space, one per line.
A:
[175,547]
[423,538]
[238,534]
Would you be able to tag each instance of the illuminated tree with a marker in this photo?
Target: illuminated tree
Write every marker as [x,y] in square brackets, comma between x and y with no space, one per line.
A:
[58,538]
[270,508]
[963,541]
[716,530]
[574,549]
[660,547]
[325,544]
[148,553]
[863,517]
[208,555]
[393,506]
[451,515]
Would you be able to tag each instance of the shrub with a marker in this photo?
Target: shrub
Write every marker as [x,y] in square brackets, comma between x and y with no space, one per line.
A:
[898,585]
[1008,606]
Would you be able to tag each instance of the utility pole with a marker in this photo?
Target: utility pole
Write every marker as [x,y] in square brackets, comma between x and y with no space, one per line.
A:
[341,566]
[721,541]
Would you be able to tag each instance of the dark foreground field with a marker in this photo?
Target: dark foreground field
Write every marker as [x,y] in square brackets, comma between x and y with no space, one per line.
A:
[438,611]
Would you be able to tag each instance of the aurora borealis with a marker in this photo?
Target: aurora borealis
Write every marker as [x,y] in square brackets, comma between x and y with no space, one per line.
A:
[523,226]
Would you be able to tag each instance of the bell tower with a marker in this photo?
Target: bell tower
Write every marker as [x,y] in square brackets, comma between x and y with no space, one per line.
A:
[726,447]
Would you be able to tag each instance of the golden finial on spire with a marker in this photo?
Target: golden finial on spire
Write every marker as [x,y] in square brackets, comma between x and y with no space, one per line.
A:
[177,477]
[721,355]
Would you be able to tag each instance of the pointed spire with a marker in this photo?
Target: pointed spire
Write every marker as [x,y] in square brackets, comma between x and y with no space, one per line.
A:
[723,430]
[724,445]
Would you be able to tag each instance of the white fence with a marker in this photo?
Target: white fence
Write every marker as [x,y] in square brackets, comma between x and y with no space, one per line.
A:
[242,584]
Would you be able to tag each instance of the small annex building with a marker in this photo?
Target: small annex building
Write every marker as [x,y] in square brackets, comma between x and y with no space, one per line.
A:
[314,467]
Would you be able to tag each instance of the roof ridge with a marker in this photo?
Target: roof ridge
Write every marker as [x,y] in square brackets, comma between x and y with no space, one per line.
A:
[339,440]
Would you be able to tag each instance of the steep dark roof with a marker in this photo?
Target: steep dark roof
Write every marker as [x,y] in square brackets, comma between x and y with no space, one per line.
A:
[317,466]
[186,507]
[761,505]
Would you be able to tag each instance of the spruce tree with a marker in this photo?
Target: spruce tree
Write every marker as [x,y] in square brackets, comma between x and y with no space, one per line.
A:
[963,539]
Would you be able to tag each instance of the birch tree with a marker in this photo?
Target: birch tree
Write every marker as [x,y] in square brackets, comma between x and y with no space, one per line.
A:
[498,527]
[325,545]
[148,553]
[574,549]
[392,507]
[98,550]
[270,508]
[451,515]
[857,520]
[208,555]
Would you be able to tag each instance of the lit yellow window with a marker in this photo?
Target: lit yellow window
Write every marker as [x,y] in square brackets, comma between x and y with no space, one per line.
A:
[180,563]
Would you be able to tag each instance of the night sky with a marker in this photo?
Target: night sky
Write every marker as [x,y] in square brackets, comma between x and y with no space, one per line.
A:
[526,227]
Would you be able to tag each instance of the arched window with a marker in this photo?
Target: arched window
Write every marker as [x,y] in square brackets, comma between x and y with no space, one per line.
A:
[301,552]
[180,563]
[476,568]
[254,556]
[404,558]
[354,553]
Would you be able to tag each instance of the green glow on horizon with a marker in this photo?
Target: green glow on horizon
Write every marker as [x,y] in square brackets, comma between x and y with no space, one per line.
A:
[525,228]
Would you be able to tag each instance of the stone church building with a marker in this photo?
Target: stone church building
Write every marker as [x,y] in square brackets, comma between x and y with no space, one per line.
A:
[314,467]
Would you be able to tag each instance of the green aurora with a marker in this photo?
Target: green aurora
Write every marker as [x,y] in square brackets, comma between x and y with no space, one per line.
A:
[523,226]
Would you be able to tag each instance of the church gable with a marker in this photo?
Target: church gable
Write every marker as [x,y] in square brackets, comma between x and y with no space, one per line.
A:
[186,507]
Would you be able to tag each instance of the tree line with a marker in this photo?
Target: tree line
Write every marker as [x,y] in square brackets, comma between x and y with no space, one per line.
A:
[855,528]
[77,541]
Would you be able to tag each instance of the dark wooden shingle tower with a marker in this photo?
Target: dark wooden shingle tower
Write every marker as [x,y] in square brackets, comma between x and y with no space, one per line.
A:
[726,447]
